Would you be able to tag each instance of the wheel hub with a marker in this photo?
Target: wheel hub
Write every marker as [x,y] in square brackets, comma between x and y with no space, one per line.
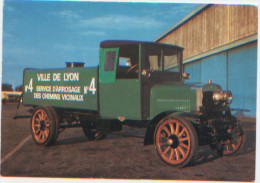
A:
[173,141]
[42,123]
[227,135]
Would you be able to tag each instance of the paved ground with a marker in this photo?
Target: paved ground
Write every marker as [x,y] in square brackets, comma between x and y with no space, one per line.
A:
[120,155]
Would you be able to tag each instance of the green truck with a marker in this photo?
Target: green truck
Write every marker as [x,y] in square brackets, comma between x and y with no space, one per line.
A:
[140,84]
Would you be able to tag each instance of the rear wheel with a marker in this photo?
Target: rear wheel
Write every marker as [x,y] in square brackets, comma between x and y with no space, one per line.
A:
[175,140]
[91,132]
[44,127]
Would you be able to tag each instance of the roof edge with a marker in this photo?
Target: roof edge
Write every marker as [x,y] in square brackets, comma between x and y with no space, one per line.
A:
[225,47]
[182,21]
[118,43]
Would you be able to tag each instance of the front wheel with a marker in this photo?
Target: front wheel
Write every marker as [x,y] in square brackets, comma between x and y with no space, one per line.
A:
[235,143]
[175,140]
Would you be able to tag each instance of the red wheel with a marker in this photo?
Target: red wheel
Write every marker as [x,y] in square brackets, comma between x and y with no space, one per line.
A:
[175,141]
[44,128]
[236,142]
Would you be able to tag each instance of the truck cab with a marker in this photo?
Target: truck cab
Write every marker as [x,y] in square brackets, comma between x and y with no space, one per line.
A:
[127,72]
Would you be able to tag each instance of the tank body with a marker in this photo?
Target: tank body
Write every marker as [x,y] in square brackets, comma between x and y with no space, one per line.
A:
[74,88]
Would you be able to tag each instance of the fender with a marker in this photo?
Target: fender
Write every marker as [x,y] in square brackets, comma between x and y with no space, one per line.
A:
[148,139]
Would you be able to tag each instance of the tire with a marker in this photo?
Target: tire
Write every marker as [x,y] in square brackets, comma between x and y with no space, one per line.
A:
[44,126]
[91,132]
[234,145]
[175,140]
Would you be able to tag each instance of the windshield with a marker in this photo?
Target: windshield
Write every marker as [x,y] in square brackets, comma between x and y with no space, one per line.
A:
[160,59]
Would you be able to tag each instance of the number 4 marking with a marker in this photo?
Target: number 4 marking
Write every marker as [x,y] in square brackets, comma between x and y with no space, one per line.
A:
[30,86]
[92,86]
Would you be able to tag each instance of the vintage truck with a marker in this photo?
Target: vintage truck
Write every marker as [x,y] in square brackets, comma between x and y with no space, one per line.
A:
[136,83]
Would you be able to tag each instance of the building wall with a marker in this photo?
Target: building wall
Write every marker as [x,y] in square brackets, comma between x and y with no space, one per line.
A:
[220,44]
[234,70]
[213,27]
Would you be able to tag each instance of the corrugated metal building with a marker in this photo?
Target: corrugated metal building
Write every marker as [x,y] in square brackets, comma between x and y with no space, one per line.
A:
[220,43]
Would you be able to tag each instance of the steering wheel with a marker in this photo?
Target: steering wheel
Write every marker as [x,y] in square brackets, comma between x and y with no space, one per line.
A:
[131,68]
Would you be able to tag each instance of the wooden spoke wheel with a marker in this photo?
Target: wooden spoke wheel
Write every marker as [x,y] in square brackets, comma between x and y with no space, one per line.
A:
[175,141]
[91,132]
[235,143]
[44,128]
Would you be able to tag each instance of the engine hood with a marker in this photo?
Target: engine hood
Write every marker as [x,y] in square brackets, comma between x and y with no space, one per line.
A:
[205,86]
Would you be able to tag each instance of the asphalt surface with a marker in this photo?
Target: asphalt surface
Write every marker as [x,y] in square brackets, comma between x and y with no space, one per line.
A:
[120,155]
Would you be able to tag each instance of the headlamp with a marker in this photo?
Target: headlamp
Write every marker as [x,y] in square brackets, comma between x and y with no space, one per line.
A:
[222,96]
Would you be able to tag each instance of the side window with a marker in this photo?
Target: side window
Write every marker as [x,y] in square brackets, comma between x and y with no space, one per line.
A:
[127,69]
[110,61]
[154,62]
[125,61]
[171,61]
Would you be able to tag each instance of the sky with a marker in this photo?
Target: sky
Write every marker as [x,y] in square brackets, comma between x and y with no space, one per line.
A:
[46,34]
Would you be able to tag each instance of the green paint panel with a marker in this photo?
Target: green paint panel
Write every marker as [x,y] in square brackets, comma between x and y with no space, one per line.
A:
[121,98]
[67,88]
[172,97]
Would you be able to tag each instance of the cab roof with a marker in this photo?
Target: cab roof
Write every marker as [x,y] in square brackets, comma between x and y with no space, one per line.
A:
[119,43]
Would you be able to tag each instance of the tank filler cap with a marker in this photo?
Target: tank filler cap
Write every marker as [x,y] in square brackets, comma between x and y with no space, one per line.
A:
[74,64]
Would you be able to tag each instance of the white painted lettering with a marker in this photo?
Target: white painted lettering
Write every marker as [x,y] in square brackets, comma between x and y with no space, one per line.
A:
[66,89]
[85,89]
[71,76]
[72,97]
[51,96]
[56,76]
[43,76]
[41,88]
[37,95]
